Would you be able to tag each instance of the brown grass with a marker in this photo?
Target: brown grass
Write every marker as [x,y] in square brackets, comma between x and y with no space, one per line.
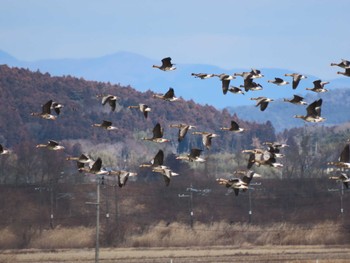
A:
[77,237]
[221,233]
[180,235]
[8,239]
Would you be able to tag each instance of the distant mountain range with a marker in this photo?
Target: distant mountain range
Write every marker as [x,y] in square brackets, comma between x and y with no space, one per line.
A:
[126,68]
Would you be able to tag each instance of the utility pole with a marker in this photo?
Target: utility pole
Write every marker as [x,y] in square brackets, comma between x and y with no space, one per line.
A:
[190,196]
[250,206]
[250,212]
[341,191]
[51,204]
[97,247]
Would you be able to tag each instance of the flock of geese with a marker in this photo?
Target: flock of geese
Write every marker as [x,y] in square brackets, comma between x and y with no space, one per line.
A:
[267,156]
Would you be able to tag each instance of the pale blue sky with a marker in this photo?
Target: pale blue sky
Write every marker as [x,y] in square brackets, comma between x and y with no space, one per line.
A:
[301,35]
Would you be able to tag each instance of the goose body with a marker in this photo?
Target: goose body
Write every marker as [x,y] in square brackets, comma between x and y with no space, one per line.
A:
[263,102]
[122,176]
[4,150]
[95,168]
[346,73]
[224,76]
[296,78]
[56,107]
[166,65]
[143,108]
[249,84]
[105,125]
[206,138]
[168,96]
[318,86]
[313,112]
[110,99]
[253,74]
[256,73]
[193,156]
[343,64]
[202,75]
[342,177]
[234,127]
[45,112]
[183,128]
[344,158]
[297,100]
[80,160]
[166,172]
[278,82]
[157,135]
[235,90]
[238,183]
[156,161]
[51,145]
[225,80]
[262,157]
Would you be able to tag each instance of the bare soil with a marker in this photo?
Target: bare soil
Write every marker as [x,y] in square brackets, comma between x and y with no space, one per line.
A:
[179,255]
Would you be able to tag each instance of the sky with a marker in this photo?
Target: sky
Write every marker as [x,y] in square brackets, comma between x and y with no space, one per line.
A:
[300,35]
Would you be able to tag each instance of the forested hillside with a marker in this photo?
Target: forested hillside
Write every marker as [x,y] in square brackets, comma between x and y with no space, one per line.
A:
[23,92]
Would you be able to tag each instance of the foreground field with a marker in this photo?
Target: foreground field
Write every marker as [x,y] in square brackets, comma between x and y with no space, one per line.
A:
[178,255]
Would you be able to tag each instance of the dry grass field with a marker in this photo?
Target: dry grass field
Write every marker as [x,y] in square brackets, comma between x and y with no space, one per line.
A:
[175,243]
[320,254]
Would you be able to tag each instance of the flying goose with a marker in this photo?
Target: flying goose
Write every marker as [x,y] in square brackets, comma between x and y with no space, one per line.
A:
[46,112]
[261,157]
[238,183]
[342,177]
[166,65]
[143,108]
[318,86]
[256,73]
[166,172]
[234,127]
[80,160]
[95,168]
[278,82]
[225,80]
[235,90]
[297,100]
[110,99]
[122,176]
[168,96]
[249,84]
[193,156]
[156,161]
[296,78]
[313,112]
[344,158]
[343,64]
[202,75]
[183,128]
[51,145]
[206,138]
[3,150]
[263,102]
[346,73]
[253,74]
[105,125]
[157,135]
[244,75]
[275,151]
[276,144]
